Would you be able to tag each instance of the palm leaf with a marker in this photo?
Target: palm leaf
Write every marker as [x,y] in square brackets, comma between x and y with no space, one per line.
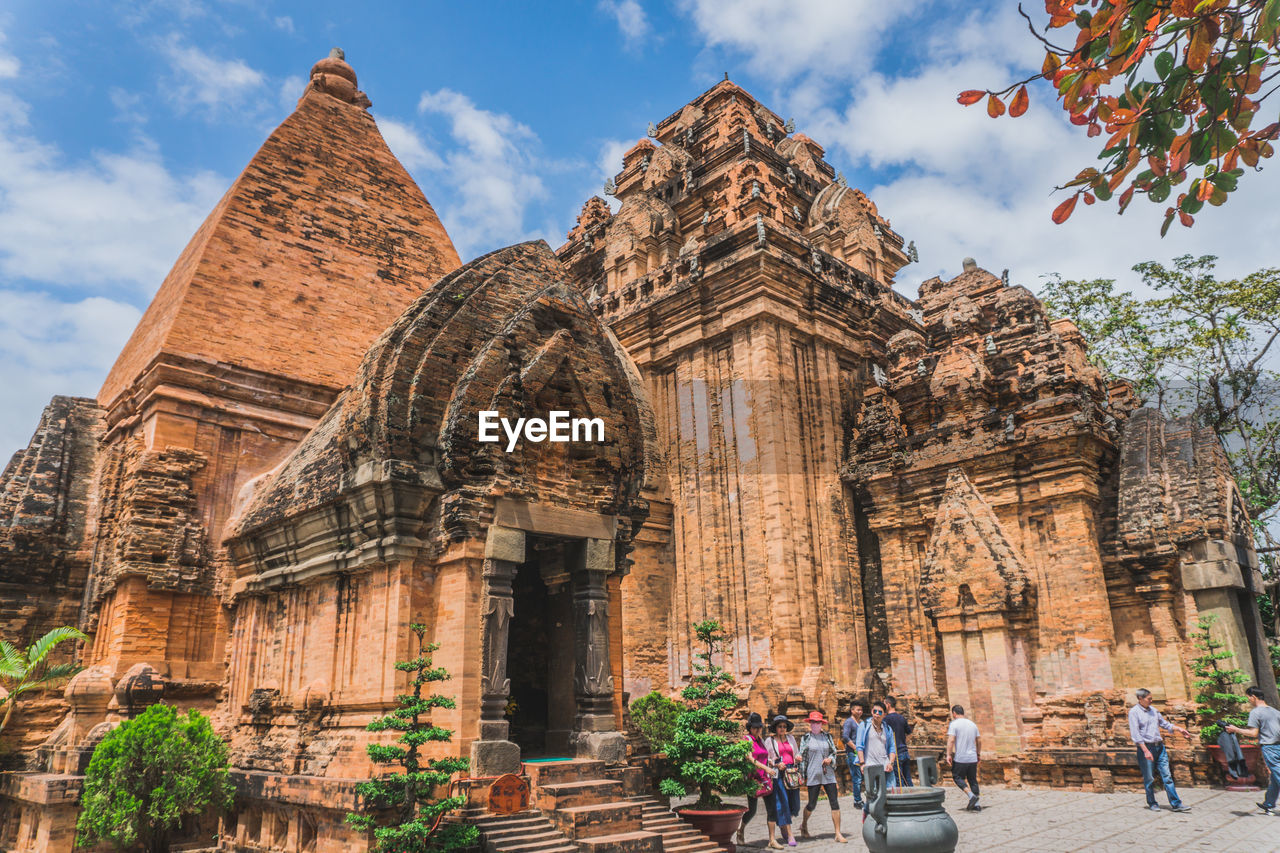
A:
[62,670]
[41,647]
[13,663]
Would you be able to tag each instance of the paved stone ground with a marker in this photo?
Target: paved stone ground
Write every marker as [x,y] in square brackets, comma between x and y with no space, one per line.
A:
[1060,821]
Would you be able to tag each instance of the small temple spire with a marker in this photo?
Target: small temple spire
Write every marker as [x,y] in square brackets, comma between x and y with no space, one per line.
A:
[334,76]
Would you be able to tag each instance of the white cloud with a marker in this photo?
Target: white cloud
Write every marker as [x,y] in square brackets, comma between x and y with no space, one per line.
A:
[50,347]
[961,184]
[492,172]
[785,39]
[631,19]
[9,64]
[408,146]
[284,23]
[291,89]
[206,81]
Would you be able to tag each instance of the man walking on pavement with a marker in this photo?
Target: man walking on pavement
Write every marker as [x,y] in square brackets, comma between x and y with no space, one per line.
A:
[964,746]
[876,746]
[1264,724]
[849,734]
[901,728]
[1145,724]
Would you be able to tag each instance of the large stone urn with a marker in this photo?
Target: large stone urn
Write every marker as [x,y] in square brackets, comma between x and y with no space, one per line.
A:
[908,819]
[717,824]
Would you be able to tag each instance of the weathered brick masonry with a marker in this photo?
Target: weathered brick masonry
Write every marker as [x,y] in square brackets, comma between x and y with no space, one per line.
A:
[939,498]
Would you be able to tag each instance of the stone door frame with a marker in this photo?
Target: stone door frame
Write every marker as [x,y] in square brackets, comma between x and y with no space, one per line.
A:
[590,561]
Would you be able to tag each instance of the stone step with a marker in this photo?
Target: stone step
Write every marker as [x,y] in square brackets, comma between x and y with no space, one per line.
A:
[617,818]
[631,777]
[678,836]
[627,842]
[572,770]
[562,795]
[522,832]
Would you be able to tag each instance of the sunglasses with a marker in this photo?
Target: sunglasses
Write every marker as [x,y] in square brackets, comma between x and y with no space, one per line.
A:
[876,713]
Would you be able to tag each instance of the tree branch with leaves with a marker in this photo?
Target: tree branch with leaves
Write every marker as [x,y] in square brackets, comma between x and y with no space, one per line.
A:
[30,670]
[1178,86]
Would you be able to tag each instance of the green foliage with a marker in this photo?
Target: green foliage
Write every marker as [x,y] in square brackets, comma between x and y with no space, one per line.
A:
[1216,683]
[706,747]
[26,671]
[1199,346]
[147,775]
[1176,85]
[403,809]
[655,716]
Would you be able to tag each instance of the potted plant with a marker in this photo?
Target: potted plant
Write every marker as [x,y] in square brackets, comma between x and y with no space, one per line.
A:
[1219,703]
[706,749]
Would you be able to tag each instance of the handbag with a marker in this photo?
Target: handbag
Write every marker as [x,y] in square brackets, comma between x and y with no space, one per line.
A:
[791,777]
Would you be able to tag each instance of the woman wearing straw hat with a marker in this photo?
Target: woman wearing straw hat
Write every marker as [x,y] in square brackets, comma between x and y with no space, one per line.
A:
[818,759]
[784,756]
[764,773]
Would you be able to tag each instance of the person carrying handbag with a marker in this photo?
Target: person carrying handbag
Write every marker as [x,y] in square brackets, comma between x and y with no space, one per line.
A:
[784,757]
[765,773]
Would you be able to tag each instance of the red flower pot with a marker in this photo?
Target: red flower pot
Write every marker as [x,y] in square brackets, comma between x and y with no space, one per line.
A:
[1252,760]
[717,824]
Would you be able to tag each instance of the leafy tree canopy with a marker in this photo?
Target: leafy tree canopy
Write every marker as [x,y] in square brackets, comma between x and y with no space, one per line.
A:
[1200,346]
[1176,86]
[147,775]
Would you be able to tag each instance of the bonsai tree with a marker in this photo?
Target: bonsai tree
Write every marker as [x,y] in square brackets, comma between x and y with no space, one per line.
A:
[150,773]
[24,672]
[403,809]
[655,716]
[706,748]
[1216,683]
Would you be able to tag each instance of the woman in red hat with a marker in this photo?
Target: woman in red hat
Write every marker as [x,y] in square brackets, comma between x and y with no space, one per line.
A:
[818,760]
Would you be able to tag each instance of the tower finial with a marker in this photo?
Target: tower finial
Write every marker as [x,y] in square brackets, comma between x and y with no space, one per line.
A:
[726,76]
[336,53]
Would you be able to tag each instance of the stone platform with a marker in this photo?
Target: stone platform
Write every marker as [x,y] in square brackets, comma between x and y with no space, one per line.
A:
[1040,821]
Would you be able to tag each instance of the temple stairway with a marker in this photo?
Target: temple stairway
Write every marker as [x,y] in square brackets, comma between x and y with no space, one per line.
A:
[583,806]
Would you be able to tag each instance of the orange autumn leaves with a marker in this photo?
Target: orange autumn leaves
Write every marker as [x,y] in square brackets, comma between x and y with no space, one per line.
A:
[1174,85]
[995,106]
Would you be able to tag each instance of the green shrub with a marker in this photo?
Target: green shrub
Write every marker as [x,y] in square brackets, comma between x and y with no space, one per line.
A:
[147,775]
[707,749]
[402,809]
[655,716]
[1215,686]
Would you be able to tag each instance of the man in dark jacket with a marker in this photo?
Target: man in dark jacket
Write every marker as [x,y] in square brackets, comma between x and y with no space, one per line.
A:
[901,728]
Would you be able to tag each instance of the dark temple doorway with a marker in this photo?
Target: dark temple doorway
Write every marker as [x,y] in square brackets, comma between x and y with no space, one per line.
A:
[540,653]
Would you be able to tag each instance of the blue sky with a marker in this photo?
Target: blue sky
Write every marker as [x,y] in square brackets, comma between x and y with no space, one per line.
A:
[122,123]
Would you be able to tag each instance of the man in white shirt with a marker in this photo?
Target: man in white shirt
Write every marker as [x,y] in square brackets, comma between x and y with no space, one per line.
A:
[1145,726]
[964,745]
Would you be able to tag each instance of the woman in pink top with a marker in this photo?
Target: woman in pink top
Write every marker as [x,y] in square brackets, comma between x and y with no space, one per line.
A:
[765,773]
[782,753]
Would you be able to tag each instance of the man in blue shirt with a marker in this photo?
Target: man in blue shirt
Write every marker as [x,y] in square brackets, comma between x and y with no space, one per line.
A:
[1145,725]
[849,734]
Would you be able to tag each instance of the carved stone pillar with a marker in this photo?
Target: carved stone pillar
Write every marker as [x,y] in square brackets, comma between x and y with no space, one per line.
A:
[493,754]
[595,726]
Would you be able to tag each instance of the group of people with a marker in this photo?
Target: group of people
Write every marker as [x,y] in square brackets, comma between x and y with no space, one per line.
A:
[785,765]
[1146,725]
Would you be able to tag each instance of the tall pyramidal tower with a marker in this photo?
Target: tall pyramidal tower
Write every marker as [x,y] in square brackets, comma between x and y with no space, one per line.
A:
[316,247]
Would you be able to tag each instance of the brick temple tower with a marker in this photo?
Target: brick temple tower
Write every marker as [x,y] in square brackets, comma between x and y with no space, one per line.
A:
[316,247]
[751,286]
